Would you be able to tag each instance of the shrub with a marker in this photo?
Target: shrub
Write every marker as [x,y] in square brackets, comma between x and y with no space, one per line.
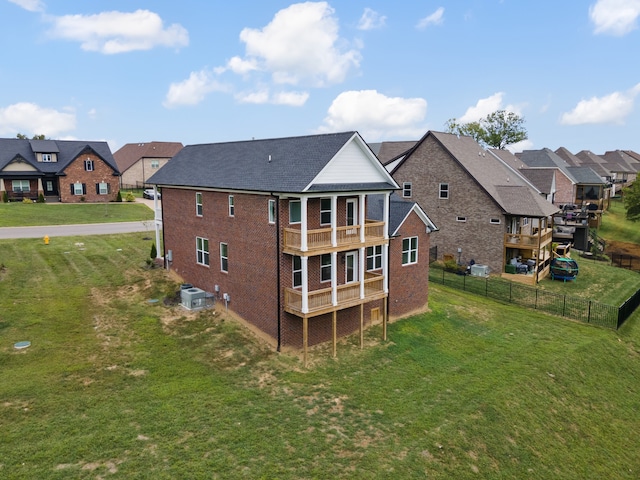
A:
[40,198]
[5,197]
[154,251]
[129,197]
[27,200]
[451,266]
[119,197]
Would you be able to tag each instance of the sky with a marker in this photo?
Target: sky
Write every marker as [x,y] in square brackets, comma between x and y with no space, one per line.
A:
[132,71]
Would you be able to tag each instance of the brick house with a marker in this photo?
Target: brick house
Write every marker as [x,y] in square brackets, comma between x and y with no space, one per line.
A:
[279,228]
[59,170]
[485,210]
[139,161]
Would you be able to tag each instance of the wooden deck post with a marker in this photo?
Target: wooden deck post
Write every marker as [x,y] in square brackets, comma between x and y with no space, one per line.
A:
[361,326]
[335,332]
[305,338]
[384,319]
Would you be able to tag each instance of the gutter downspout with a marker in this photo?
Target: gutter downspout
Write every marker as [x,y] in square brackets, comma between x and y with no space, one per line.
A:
[279,319]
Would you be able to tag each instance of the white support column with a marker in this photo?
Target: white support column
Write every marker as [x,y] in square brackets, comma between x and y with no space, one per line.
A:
[362,257]
[334,220]
[362,216]
[385,268]
[40,188]
[334,279]
[305,284]
[386,215]
[303,224]
[1,184]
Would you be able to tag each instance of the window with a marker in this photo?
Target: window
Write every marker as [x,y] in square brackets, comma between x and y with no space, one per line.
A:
[297,271]
[409,250]
[20,185]
[155,163]
[295,211]
[374,257]
[406,189]
[78,188]
[444,191]
[232,207]
[46,157]
[525,221]
[494,221]
[88,165]
[461,219]
[199,204]
[325,211]
[103,188]
[325,267]
[272,211]
[224,260]
[202,251]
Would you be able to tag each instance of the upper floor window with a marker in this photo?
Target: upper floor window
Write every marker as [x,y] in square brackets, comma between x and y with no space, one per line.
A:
[295,211]
[272,211]
[374,257]
[461,219]
[232,208]
[155,163]
[406,189]
[525,221]
[296,271]
[199,204]
[494,221]
[409,250]
[202,251]
[46,157]
[88,165]
[325,211]
[224,259]
[20,185]
[443,191]
[325,267]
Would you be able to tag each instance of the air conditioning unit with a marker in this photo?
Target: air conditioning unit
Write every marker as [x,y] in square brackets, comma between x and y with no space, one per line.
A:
[193,298]
[480,270]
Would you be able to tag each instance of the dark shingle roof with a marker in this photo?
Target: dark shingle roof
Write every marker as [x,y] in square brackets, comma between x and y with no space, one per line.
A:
[66,151]
[399,208]
[130,153]
[287,165]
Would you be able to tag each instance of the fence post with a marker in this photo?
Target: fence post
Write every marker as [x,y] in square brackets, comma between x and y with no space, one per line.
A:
[589,313]
[564,305]
[536,304]
[486,287]
[510,288]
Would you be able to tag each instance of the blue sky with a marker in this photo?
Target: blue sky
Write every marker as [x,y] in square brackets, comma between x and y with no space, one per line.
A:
[129,71]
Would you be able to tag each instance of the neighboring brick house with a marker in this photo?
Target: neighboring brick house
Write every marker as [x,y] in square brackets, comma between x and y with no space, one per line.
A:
[59,170]
[485,210]
[279,227]
[139,161]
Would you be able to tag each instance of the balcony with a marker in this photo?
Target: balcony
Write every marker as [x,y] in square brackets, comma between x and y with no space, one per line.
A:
[320,240]
[348,295]
[529,242]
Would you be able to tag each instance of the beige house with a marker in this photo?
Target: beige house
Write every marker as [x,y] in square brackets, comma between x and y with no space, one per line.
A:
[138,161]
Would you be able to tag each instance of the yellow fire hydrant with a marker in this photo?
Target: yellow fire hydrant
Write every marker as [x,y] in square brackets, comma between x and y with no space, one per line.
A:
[46,239]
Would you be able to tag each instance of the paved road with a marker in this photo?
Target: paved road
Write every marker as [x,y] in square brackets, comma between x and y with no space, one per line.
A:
[85,229]
[73,230]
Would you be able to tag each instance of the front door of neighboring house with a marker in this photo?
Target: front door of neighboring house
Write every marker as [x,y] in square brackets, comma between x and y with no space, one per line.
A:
[351,266]
[352,211]
[49,186]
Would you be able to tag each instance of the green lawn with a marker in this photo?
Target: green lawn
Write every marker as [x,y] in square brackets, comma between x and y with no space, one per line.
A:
[117,386]
[616,227]
[32,214]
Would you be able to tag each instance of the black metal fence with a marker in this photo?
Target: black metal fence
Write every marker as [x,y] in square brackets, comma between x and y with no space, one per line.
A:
[587,311]
[624,260]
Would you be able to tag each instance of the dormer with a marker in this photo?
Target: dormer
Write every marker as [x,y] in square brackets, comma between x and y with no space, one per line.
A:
[46,151]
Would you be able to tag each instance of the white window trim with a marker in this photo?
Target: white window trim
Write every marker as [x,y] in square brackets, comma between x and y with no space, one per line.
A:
[324,267]
[461,219]
[199,208]
[445,191]
[376,258]
[325,211]
[232,206]
[291,202]
[495,221]
[294,271]
[106,188]
[21,188]
[75,189]
[409,251]
[224,258]
[88,165]
[202,253]
[407,190]
[272,211]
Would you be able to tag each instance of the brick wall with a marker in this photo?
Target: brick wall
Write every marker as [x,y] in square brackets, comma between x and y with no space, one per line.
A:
[409,284]
[565,190]
[479,240]
[75,172]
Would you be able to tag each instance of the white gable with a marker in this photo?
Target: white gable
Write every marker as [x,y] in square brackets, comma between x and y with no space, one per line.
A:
[19,165]
[354,163]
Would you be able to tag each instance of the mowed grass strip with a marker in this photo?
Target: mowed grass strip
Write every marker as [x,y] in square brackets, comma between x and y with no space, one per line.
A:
[114,385]
[615,226]
[19,214]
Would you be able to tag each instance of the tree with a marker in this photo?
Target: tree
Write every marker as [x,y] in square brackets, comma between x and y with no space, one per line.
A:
[22,136]
[632,201]
[496,130]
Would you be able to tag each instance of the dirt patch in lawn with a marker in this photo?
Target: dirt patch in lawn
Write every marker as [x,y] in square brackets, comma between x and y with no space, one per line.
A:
[625,248]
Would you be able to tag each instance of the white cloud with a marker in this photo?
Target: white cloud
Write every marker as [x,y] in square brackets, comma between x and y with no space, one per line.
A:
[612,108]
[31,119]
[118,32]
[436,18]
[371,20]
[615,17]
[301,45]
[263,96]
[485,106]
[30,5]
[293,99]
[240,66]
[520,146]
[376,116]
[192,90]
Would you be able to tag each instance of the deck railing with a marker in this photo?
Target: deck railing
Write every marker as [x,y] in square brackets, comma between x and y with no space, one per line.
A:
[320,238]
[516,240]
